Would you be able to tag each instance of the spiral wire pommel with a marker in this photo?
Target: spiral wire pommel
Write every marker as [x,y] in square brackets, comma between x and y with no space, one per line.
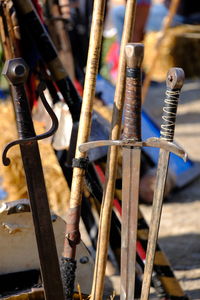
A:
[175,80]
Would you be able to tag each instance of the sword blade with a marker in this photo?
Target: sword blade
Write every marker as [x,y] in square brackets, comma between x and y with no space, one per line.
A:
[130,198]
[42,222]
[161,177]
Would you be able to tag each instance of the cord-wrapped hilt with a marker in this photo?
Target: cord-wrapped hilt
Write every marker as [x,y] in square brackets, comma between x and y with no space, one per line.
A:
[175,79]
[132,109]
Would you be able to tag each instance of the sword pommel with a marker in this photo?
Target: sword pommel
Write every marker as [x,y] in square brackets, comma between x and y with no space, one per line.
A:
[132,109]
[16,71]
[175,78]
[134,55]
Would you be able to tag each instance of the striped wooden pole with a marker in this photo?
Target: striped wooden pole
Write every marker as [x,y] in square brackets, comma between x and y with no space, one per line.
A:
[111,168]
[80,161]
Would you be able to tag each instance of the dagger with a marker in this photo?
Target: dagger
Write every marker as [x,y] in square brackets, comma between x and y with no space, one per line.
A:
[174,82]
[16,71]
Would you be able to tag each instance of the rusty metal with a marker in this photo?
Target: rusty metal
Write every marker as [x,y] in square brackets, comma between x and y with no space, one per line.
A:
[175,79]
[16,72]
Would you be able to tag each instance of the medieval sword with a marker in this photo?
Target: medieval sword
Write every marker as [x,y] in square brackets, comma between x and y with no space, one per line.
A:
[131,169]
[175,79]
[16,72]
[136,143]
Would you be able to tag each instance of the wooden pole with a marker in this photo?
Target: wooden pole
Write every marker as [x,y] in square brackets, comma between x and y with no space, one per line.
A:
[111,168]
[72,228]
[5,28]
[60,37]
[165,26]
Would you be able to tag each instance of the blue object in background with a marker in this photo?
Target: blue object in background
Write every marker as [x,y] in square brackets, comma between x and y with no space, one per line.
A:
[3,94]
[185,171]
[3,194]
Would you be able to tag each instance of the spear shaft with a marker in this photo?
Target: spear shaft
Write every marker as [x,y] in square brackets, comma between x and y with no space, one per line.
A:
[80,161]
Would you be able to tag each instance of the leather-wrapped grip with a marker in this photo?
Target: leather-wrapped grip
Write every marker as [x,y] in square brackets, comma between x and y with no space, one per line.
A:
[24,121]
[132,107]
[175,79]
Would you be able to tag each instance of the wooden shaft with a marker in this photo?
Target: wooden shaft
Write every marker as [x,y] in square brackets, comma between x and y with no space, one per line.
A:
[87,105]
[7,42]
[106,209]
[11,34]
[166,24]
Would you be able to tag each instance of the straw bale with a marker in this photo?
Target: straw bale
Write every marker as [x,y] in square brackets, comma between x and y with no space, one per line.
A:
[179,48]
[13,175]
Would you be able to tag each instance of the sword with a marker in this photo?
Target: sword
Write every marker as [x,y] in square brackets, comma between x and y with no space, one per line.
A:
[131,159]
[175,79]
[136,143]
[16,72]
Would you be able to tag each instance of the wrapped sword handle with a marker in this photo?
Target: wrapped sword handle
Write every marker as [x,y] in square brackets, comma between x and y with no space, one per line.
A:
[175,80]
[132,110]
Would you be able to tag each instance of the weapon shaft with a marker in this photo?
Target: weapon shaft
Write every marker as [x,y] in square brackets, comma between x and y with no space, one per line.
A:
[175,79]
[16,72]
[73,218]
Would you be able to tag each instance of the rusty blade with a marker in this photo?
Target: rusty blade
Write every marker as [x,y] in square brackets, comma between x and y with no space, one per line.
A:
[130,198]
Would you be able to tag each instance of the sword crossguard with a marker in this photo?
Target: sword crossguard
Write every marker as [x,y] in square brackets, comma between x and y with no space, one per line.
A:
[16,71]
[175,79]
[152,142]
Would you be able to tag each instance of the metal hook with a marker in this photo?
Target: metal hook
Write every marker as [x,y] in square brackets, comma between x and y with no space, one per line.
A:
[51,131]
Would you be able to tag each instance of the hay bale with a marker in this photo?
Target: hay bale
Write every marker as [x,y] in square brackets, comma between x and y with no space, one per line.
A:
[180,48]
[13,175]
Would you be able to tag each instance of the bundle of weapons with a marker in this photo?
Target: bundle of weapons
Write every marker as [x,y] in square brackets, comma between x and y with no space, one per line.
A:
[58,280]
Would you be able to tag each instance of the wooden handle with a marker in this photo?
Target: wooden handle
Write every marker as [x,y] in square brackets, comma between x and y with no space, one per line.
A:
[175,80]
[132,111]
